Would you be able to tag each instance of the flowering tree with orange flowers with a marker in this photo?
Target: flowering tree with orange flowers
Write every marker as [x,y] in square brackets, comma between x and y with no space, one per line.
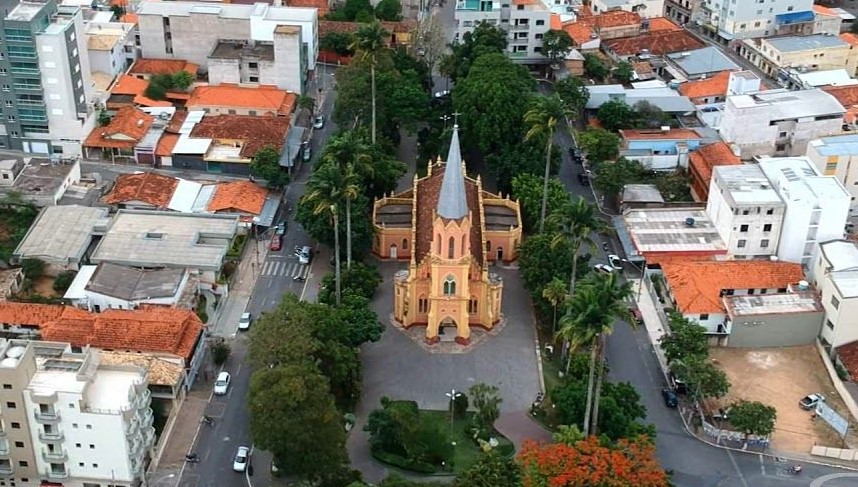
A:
[589,464]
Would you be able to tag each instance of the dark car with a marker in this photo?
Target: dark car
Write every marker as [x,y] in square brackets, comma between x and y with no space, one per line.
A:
[584,179]
[670,399]
[637,316]
[575,155]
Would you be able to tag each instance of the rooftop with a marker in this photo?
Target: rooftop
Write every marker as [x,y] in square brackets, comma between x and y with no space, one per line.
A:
[702,61]
[657,43]
[274,101]
[787,105]
[745,184]
[239,50]
[667,230]
[238,197]
[133,89]
[836,145]
[254,132]
[706,87]
[798,179]
[125,130]
[110,390]
[61,232]
[697,286]
[842,255]
[610,19]
[768,304]
[35,314]
[24,12]
[658,134]
[667,99]
[144,66]
[161,372]
[641,193]
[805,43]
[151,238]
[146,187]
[41,176]
[134,284]
[847,95]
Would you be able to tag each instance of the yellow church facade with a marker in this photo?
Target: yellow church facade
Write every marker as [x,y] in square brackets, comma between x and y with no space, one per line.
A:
[449,230]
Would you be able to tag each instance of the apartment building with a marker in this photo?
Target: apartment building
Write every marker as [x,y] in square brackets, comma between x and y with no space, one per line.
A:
[45,84]
[683,11]
[838,156]
[746,210]
[255,44]
[70,419]
[779,122]
[526,21]
[728,20]
[112,48]
[807,52]
[836,278]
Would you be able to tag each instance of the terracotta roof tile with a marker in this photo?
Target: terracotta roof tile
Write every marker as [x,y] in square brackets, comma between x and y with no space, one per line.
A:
[658,43]
[661,24]
[166,144]
[697,286]
[712,86]
[848,354]
[162,66]
[822,10]
[269,98]
[846,95]
[124,131]
[656,134]
[255,132]
[149,187]
[608,20]
[554,22]
[849,37]
[708,156]
[240,196]
[580,32]
[28,313]
[160,372]
[129,18]
[129,85]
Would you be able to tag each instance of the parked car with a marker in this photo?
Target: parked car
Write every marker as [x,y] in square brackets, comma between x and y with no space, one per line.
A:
[670,399]
[221,385]
[276,242]
[305,255]
[603,268]
[811,400]
[306,153]
[678,385]
[616,262]
[280,229]
[244,322]
[575,155]
[637,316]
[239,464]
[319,121]
[584,179]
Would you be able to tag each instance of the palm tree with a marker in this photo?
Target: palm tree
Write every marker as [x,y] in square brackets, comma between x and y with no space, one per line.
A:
[575,223]
[324,193]
[350,191]
[542,119]
[555,292]
[369,41]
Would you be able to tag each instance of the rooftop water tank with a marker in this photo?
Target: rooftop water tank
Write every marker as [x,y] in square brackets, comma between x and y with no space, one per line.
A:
[15,352]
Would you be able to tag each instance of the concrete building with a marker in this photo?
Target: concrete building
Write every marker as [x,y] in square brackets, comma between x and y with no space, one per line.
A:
[774,320]
[838,156]
[111,47]
[656,234]
[746,210]
[644,8]
[46,90]
[662,149]
[779,122]
[40,181]
[87,423]
[255,44]
[817,207]
[700,164]
[683,11]
[111,286]
[726,20]
[775,55]
[836,278]
[698,64]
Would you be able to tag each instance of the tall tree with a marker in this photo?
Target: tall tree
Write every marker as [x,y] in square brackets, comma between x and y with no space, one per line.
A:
[611,177]
[686,339]
[266,165]
[753,418]
[325,190]
[542,120]
[556,293]
[703,378]
[594,67]
[556,44]
[369,42]
[599,144]
[616,114]
[573,93]
[528,190]
[575,224]
[390,10]
[484,39]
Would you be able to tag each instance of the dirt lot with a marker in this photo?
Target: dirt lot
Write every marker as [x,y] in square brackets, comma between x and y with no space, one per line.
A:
[45,286]
[780,377]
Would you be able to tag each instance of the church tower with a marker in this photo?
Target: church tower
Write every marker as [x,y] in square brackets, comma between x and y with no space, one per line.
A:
[451,256]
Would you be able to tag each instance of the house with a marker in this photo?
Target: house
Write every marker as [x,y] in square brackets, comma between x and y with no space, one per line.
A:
[242,44]
[708,90]
[802,79]
[11,282]
[774,320]
[817,207]
[698,63]
[120,137]
[813,52]
[644,8]
[779,122]
[243,198]
[130,91]
[144,68]
[640,196]
[702,161]
[657,234]
[836,278]
[654,92]
[142,191]
[747,211]
[228,99]
[663,149]
[656,43]
[61,237]
[697,289]
[110,286]
[838,156]
[42,182]
[847,95]
[584,37]
[111,48]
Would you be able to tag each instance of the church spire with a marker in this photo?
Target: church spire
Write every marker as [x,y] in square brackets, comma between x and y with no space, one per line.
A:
[452,203]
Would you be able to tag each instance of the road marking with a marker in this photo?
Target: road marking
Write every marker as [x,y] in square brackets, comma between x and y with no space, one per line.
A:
[736,466]
[762,465]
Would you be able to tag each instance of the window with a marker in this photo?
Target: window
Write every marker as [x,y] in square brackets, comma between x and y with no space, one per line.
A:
[451,248]
[835,302]
[538,36]
[770,211]
[89,426]
[449,286]
[751,292]
[746,212]
[829,324]
[767,227]
[23,463]
[92,447]
[94,465]
[540,22]
[520,7]
[19,444]
[6,88]
[77,445]
[423,305]
[11,405]
[743,228]
[14,133]
[74,425]
[7,386]
[741,244]
[404,243]
[704,316]
[252,113]
[253,79]
[764,243]
[438,244]
[472,306]
[230,112]
[16,426]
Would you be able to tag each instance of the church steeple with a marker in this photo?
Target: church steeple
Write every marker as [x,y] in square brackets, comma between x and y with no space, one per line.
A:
[452,203]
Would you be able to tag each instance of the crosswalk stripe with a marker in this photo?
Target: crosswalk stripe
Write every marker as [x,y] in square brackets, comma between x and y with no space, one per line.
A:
[265,268]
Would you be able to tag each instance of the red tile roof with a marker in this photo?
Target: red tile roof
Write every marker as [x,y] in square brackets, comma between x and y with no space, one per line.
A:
[124,131]
[608,20]
[265,98]
[715,85]
[34,314]
[238,196]
[129,85]
[701,162]
[659,24]
[166,144]
[580,32]
[254,132]
[697,286]
[848,354]
[846,95]
[849,37]
[658,43]
[162,66]
[148,187]
[656,134]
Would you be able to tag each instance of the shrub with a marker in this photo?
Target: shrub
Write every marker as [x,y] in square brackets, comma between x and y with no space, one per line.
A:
[33,268]
[460,406]
[220,351]
[64,280]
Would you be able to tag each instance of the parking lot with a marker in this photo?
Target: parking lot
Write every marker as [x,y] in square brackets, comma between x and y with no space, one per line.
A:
[780,377]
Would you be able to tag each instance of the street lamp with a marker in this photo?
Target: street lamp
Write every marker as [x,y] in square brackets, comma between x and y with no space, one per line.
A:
[445,118]
[452,395]
[641,283]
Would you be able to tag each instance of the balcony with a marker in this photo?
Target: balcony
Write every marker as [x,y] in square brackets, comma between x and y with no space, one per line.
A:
[143,399]
[146,417]
[6,468]
[519,27]
[52,436]
[53,473]
[25,71]
[56,456]
[4,449]
[46,416]
[28,86]
[2,433]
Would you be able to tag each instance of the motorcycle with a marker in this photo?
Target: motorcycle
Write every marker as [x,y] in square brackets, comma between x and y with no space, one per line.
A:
[298,278]
[795,469]
[208,420]
[192,458]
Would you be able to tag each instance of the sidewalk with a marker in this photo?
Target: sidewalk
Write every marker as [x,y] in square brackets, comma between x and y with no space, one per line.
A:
[180,433]
[652,321]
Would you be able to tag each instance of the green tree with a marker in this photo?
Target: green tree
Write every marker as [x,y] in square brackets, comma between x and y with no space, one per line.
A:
[352,10]
[33,268]
[378,171]
[484,39]
[182,80]
[369,42]
[650,116]
[556,44]
[293,416]
[599,144]
[486,399]
[611,177]
[265,164]
[159,85]
[361,280]
[753,418]
[118,11]
[620,413]
[686,339]
[320,225]
[490,470]
[307,103]
[556,293]
[574,225]
[64,280]
[513,160]
[220,351]
[594,67]
[623,72]
[542,120]
[390,10]
[616,114]
[103,117]
[703,378]
[567,434]
[338,42]
[573,93]
[528,190]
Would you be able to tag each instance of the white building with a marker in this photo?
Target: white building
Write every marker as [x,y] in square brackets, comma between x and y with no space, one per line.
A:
[644,8]
[779,122]
[247,44]
[836,279]
[817,207]
[838,156]
[111,47]
[746,210]
[88,423]
[111,286]
[727,20]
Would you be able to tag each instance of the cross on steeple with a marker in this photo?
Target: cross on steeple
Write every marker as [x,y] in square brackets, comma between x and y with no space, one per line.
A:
[456,118]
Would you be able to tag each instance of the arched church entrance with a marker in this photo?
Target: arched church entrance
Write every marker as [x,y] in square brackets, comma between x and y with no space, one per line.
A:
[447,329]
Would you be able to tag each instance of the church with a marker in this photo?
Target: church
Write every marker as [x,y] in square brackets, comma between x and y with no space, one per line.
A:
[449,230]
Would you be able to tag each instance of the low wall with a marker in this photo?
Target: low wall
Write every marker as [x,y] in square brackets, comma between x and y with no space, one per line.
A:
[838,384]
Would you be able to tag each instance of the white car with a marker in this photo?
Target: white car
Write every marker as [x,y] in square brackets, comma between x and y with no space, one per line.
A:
[603,269]
[244,322]
[305,254]
[241,457]
[616,262]
[811,400]
[221,385]
[319,122]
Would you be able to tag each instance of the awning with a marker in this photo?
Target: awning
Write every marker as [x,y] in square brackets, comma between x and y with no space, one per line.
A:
[269,209]
[293,146]
[626,240]
[794,17]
